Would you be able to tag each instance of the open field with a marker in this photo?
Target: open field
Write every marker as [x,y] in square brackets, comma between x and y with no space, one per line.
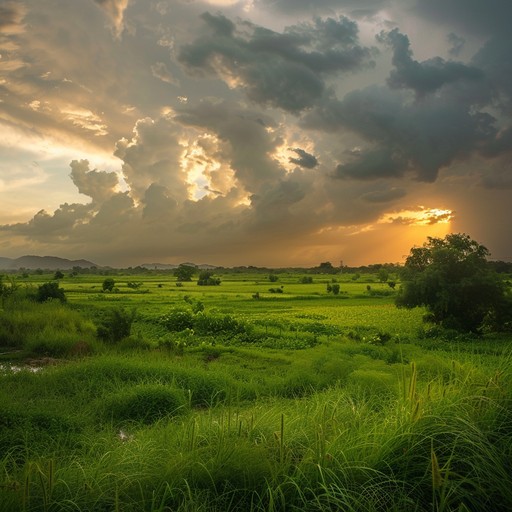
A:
[236,398]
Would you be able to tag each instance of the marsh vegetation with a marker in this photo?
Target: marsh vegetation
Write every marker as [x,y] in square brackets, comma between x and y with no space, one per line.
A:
[234,398]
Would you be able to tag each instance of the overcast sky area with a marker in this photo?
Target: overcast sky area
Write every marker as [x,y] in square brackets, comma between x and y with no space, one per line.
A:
[253,132]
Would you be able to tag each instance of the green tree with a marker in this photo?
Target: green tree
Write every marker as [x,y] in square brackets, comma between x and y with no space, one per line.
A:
[206,279]
[108,284]
[58,275]
[452,279]
[185,272]
[383,275]
[48,291]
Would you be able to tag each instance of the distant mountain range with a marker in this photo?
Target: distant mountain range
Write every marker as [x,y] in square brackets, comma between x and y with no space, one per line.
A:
[55,263]
[44,262]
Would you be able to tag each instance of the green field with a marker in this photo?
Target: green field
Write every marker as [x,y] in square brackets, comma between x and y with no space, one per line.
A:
[238,398]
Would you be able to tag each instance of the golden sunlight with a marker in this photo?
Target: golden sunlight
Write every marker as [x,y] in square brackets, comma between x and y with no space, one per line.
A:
[419,216]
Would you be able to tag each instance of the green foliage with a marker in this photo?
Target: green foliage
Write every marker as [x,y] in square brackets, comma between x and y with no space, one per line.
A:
[48,328]
[213,324]
[383,275]
[333,288]
[185,272]
[206,279]
[108,284]
[116,324]
[58,275]
[134,285]
[48,291]
[273,278]
[178,319]
[144,403]
[451,278]
[306,280]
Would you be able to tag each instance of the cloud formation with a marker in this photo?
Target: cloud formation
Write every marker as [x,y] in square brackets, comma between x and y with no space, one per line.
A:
[285,70]
[272,132]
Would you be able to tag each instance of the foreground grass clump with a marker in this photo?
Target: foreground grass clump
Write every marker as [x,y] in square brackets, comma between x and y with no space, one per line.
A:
[144,403]
[135,438]
[50,328]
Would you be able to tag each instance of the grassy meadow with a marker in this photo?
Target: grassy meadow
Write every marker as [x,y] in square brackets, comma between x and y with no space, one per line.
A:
[254,395]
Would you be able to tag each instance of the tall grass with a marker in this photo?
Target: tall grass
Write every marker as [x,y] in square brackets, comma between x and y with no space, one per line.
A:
[50,328]
[428,442]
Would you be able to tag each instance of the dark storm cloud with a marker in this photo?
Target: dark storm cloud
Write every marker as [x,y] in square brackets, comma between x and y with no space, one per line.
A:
[379,163]
[288,69]
[421,137]
[306,6]
[457,44]
[422,77]
[494,58]
[472,16]
[304,159]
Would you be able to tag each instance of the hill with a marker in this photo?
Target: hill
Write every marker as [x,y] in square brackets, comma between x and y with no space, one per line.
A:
[44,262]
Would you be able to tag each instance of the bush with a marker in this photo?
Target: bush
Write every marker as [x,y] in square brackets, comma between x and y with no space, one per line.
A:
[108,284]
[48,291]
[207,324]
[116,325]
[206,279]
[178,320]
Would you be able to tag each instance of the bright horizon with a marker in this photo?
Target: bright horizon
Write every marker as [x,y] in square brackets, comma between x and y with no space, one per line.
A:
[272,133]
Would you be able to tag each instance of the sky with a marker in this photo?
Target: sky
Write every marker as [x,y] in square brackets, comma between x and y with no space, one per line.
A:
[273,133]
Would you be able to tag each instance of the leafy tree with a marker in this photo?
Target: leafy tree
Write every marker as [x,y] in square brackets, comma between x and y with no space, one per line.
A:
[185,272]
[108,284]
[206,279]
[383,275]
[58,275]
[273,278]
[452,279]
[48,291]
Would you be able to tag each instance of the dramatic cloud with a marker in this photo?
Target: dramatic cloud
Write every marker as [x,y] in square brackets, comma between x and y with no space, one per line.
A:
[285,70]
[422,77]
[98,185]
[304,159]
[268,132]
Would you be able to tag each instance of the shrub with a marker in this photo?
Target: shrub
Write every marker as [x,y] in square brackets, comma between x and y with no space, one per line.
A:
[49,291]
[178,320]
[207,324]
[116,325]
[108,284]
[206,279]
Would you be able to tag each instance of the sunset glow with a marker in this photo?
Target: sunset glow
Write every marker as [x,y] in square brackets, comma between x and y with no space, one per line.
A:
[266,132]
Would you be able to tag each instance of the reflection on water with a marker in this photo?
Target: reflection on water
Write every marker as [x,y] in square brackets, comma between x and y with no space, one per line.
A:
[16,368]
